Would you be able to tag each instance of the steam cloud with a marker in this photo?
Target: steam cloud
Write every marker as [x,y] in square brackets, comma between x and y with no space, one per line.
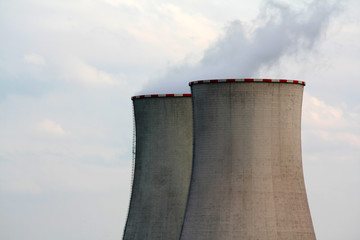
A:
[238,54]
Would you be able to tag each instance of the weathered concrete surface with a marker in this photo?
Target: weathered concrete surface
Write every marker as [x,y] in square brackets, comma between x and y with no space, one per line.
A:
[247,180]
[162,168]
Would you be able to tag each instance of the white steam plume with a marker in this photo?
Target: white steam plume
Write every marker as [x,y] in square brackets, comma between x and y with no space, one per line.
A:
[283,32]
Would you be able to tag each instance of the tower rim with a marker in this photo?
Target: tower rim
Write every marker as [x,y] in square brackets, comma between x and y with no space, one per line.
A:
[160,95]
[244,80]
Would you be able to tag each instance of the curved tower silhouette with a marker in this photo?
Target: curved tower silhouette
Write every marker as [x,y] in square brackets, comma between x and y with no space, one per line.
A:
[162,166]
[247,180]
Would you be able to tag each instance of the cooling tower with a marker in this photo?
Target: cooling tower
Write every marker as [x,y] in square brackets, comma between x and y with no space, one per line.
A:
[247,180]
[163,161]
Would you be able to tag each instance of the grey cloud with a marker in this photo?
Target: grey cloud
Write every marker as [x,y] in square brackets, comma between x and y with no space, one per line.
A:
[281,31]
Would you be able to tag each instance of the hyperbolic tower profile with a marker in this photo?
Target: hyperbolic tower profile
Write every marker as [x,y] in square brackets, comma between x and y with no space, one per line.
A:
[162,166]
[247,180]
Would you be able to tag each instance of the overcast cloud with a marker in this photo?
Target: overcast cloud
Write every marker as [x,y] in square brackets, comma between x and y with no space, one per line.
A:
[69,68]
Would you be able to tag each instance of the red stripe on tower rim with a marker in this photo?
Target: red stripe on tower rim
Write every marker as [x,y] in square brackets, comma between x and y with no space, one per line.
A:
[161,95]
[240,80]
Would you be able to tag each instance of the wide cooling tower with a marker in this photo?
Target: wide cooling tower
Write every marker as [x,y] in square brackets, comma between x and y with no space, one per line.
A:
[247,180]
[163,161]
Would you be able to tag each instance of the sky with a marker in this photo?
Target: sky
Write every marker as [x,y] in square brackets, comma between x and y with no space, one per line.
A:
[68,70]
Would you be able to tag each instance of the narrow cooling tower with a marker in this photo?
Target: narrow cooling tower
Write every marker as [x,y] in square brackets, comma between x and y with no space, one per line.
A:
[247,180]
[162,166]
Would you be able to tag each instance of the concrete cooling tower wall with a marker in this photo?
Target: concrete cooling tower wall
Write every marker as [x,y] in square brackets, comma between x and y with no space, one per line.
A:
[247,180]
[162,166]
